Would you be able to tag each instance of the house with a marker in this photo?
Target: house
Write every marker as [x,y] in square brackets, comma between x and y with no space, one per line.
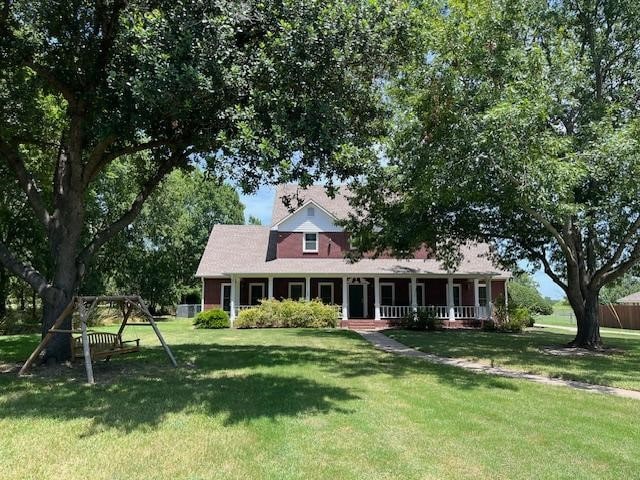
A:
[633,299]
[301,255]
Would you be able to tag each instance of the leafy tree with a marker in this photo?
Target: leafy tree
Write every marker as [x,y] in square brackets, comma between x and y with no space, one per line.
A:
[523,292]
[517,123]
[158,254]
[624,286]
[254,220]
[241,85]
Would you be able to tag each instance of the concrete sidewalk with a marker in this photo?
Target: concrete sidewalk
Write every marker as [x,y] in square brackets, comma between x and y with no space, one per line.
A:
[387,344]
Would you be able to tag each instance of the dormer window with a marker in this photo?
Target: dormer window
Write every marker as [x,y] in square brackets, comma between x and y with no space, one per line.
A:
[311,212]
[310,243]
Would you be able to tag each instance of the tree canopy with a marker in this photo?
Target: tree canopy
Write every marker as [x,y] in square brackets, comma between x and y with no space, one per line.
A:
[517,123]
[260,91]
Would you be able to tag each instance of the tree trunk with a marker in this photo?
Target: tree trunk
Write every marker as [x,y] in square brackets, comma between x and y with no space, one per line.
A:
[33,305]
[588,323]
[4,291]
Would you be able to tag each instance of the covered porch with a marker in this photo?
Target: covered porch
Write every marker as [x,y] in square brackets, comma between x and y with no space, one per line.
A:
[377,301]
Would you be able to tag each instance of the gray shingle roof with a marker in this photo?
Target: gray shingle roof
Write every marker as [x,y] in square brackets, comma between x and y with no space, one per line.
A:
[251,250]
[633,298]
[339,206]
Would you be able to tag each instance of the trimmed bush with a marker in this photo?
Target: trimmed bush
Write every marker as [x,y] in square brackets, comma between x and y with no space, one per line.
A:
[215,318]
[288,313]
[423,320]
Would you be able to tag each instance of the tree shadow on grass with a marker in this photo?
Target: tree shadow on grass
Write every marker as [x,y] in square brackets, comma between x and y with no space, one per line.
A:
[140,391]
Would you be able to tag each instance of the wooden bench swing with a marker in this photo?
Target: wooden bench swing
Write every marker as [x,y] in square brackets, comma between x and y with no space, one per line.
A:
[92,346]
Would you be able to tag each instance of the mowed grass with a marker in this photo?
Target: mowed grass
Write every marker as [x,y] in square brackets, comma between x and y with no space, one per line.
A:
[527,352]
[300,404]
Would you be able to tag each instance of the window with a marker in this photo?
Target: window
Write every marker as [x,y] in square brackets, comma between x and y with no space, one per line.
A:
[325,293]
[482,295]
[225,296]
[387,294]
[310,242]
[296,290]
[256,293]
[311,212]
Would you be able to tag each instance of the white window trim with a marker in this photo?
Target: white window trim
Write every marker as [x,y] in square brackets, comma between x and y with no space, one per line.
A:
[323,284]
[251,285]
[304,242]
[393,292]
[301,284]
[453,300]
[419,286]
[222,295]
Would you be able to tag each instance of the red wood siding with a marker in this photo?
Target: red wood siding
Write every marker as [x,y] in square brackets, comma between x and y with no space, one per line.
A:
[330,245]
[212,288]
[497,290]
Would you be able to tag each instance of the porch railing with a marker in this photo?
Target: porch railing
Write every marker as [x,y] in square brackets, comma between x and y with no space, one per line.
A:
[439,311]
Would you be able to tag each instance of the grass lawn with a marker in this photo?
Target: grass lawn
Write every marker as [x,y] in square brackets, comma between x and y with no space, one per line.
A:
[525,352]
[562,315]
[306,404]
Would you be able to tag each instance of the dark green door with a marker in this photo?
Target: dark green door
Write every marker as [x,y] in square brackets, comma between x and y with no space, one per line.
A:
[356,305]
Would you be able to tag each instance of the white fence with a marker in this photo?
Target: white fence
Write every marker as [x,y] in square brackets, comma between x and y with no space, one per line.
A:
[439,311]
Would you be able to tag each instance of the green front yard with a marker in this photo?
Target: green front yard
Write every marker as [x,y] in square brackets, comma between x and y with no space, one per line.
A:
[526,352]
[301,404]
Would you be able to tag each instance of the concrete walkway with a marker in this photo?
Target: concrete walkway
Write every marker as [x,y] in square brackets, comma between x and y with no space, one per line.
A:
[387,344]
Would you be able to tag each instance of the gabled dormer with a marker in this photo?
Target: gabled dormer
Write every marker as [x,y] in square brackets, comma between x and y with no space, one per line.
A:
[310,232]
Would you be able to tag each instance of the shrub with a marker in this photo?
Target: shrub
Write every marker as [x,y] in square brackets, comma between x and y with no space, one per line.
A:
[522,293]
[212,319]
[423,320]
[288,313]
[512,318]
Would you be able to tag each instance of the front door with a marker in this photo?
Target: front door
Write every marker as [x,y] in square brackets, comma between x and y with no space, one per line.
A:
[356,301]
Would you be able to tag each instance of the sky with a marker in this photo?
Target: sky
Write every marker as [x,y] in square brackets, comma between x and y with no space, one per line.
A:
[260,204]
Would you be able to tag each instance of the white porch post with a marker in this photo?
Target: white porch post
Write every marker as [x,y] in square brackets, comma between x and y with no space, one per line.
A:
[506,295]
[414,295]
[376,298]
[232,301]
[450,302]
[476,296]
[307,288]
[202,298]
[345,299]
[489,298]
[270,289]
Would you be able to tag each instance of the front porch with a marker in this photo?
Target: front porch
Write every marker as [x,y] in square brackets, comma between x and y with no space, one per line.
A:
[373,302]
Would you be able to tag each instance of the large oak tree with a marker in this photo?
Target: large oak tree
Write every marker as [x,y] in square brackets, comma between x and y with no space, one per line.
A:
[260,90]
[518,122]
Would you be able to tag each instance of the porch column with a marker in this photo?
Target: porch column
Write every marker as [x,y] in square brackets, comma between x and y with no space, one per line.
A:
[376,298]
[232,301]
[307,288]
[414,295]
[202,298]
[476,296]
[506,295]
[345,299]
[270,288]
[487,282]
[450,303]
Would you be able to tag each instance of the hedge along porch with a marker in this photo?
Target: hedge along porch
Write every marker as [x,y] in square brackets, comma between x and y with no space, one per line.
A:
[457,300]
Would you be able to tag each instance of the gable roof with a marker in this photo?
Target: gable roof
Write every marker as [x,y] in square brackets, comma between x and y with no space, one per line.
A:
[633,298]
[251,250]
[338,207]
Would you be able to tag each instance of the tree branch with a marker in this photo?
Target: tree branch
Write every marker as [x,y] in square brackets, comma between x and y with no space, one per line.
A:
[551,229]
[58,85]
[624,243]
[28,184]
[624,267]
[127,218]
[27,273]
[548,269]
[99,158]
